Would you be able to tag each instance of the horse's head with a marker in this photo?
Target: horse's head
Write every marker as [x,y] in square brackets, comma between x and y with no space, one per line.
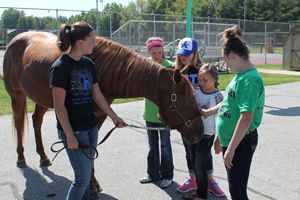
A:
[178,108]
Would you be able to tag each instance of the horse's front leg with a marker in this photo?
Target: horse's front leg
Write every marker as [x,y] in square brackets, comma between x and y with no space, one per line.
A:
[37,119]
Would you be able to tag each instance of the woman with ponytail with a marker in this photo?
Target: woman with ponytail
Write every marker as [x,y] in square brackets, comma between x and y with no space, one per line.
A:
[75,87]
[239,115]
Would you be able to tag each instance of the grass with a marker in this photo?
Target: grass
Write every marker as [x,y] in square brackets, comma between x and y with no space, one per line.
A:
[262,50]
[269,79]
[273,67]
[224,79]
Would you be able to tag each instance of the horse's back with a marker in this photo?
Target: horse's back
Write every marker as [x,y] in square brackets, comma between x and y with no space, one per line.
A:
[27,60]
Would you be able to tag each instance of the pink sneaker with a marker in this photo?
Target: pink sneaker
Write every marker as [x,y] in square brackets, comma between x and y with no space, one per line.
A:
[214,188]
[188,186]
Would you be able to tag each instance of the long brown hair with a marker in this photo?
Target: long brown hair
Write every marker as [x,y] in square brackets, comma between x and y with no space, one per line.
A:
[69,34]
[195,62]
[233,43]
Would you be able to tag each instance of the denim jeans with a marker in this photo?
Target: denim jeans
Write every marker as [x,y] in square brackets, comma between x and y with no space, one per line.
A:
[201,159]
[238,175]
[159,166]
[189,161]
[82,166]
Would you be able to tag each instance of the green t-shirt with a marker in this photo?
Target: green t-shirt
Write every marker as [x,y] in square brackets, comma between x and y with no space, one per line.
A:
[245,93]
[151,109]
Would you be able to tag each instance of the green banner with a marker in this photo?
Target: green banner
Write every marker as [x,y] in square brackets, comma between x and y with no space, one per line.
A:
[189,18]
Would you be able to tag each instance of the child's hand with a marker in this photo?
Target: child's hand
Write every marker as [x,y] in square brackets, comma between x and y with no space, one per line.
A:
[205,113]
[217,146]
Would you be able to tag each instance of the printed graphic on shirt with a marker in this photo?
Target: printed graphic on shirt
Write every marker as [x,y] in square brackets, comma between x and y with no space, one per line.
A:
[219,98]
[224,114]
[193,78]
[81,86]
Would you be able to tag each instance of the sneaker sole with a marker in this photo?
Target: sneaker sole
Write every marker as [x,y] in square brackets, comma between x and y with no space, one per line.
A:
[165,186]
[186,191]
[216,195]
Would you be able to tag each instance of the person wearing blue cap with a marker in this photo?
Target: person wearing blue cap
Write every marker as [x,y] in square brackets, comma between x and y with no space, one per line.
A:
[189,63]
[188,60]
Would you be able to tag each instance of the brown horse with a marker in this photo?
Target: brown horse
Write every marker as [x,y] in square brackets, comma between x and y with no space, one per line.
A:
[121,72]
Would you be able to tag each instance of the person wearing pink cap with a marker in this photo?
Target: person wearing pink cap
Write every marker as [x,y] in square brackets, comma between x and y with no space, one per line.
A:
[159,163]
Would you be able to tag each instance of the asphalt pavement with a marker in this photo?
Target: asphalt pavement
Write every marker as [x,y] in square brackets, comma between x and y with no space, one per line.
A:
[122,161]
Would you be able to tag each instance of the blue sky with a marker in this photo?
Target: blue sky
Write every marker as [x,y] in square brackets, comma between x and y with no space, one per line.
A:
[56,4]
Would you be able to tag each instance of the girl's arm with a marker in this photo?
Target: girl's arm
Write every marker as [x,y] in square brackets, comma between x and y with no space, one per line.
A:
[103,105]
[211,111]
[239,133]
[59,95]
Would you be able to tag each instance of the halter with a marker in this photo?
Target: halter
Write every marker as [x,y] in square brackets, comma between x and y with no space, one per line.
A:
[173,109]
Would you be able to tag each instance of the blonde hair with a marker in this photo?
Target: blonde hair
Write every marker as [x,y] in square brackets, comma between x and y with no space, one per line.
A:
[151,39]
[195,62]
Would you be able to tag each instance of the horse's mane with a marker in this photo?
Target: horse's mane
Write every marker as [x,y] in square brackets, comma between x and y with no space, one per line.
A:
[123,71]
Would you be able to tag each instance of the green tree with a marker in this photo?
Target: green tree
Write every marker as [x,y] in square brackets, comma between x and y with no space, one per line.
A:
[10,18]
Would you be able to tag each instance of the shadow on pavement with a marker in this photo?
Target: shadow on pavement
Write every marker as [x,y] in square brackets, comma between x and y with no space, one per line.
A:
[44,186]
[104,196]
[291,111]
[171,191]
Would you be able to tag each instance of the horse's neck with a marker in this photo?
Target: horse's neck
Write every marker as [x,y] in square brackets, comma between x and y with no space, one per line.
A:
[129,77]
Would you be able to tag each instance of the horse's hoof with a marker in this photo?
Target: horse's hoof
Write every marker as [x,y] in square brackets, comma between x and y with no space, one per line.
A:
[45,162]
[21,164]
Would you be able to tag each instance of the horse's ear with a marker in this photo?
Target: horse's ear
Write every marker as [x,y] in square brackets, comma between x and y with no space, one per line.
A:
[177,76]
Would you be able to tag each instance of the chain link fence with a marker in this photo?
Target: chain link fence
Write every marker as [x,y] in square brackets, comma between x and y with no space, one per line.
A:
[133,29]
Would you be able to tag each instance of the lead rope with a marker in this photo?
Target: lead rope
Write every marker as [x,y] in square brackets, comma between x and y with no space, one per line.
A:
[83,146]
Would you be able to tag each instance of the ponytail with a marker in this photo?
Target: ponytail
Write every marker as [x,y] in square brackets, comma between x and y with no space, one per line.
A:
[64,37]
[233,43]
[68,35]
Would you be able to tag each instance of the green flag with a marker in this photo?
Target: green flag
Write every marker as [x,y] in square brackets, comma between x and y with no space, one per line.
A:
[189,18]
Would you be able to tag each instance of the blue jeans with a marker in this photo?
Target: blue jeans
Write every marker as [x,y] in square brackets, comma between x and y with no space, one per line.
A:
[238,175]
[82,166]
[159,166]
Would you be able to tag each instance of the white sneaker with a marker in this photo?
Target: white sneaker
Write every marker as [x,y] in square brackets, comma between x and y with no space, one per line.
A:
[165,183]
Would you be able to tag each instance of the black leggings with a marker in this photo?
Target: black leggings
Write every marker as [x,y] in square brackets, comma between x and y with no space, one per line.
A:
[190,163]
[201,156]
[238,175]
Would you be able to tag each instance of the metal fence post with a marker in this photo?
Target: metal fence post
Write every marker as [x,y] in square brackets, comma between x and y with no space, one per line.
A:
[154,25]
[208,31]
[97,17]
[110,25]
[192,27]
[129,35]
[139,38]
[174,35]
[265,42]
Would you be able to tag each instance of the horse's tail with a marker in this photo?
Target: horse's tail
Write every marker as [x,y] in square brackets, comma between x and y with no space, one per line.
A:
[12,71]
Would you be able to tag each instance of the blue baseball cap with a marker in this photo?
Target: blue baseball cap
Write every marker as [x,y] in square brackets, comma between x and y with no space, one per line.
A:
[187,46]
